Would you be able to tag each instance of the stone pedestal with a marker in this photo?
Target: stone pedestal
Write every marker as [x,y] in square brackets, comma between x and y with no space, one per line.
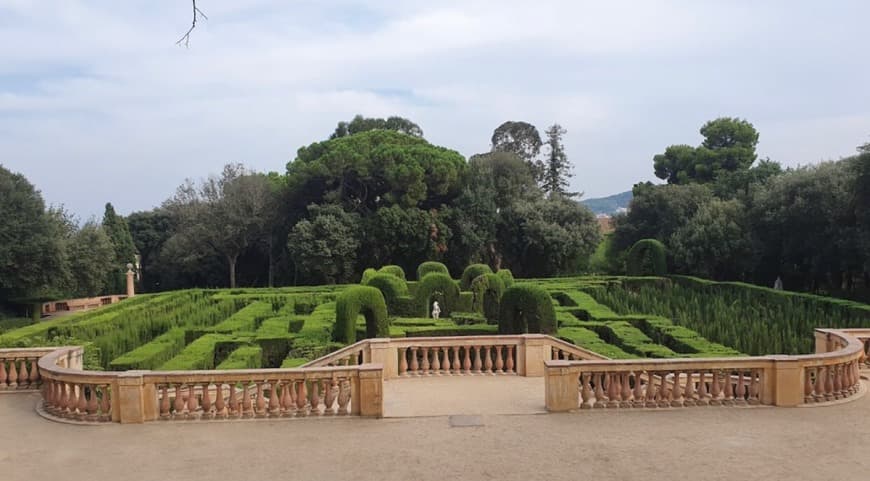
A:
[131,291]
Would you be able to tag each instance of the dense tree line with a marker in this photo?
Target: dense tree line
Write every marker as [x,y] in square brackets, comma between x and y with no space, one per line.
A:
[726,217]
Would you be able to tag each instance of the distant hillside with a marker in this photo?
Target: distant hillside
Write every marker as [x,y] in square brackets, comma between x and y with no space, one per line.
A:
[608,205]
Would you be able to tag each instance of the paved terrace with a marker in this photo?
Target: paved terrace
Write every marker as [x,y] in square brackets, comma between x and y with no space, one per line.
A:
[807,443]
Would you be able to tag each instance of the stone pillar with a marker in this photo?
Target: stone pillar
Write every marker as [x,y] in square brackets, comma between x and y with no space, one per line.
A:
[561,387]
[371,390]
[382,352]
[131,291]
[788,382]
[129,401]
[822,343]
[532,354]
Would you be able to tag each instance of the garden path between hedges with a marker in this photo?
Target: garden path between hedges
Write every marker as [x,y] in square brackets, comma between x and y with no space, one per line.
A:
[670,444]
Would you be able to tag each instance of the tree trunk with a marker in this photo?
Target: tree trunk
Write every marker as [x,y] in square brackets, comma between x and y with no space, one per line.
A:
[271,280]
[231,260]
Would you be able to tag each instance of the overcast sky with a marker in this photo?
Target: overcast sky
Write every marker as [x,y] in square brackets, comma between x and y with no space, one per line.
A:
[98,104]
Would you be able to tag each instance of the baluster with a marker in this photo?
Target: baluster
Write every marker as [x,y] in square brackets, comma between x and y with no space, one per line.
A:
[192,402]
[331,391]
[808,385]
[53,395]
[838,381]
[179,403]
[613,390]
[23,376]
[651,389]
[819,387]
[415,366]
[478,364]
[34,373]
[854,377]
[274,400]
[60,405]
[93,406]
[829,383]
[206,402]
[344,397]
[585,391]
[220,406]
[677,391]
[233,410]
[445,360]
[315,396]
[689,392]
[740,394]
[3,376]
[487,359]
[703,393]
[727,390]
[82,406]
[715,390]
[260,411]
[301,399]
[509,360]
[753,387]
[247,405]
[456,366]
[13,375]
[288,404]
[164,402]
[599,391]
[637,397]
[425,367]
[499,363]
[466,360]
[403,362]
[105,403]
[436,364]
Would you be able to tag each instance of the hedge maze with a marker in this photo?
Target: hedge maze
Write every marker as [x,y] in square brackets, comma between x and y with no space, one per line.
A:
[619,317]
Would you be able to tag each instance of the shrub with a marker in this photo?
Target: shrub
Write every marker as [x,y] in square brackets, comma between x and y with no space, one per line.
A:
[487,290]
[357,300]
[647,258]
[526,308]
[465,302]
[393,271]
[438,287]
[429,267]
[244,357]
[472,272]
[153,354]
[391,287]
[407,306]
[462,318]
[506,276]
[367,275]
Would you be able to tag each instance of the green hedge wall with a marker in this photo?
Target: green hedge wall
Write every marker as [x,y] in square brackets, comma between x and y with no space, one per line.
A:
[506,276]
[357,300]
[367,275]
[393,271]
[244,357]
[472,272]
[391,287]
[431,266]
[487,290]
[440,287]
[647,258]
[526,308]
[151,355]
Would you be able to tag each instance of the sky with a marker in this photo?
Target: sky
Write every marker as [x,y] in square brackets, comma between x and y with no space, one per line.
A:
[98,104]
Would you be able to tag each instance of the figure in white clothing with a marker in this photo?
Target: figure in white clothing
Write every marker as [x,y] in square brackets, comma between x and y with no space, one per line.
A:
[436,310]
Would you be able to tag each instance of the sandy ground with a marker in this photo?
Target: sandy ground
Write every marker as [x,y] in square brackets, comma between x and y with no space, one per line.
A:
[679,444]
[445,395]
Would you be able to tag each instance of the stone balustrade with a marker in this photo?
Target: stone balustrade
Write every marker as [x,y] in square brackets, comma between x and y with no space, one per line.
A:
[830,374]
[19,369]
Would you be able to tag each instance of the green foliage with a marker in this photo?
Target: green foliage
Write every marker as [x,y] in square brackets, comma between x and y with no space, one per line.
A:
[521,139]
[392,287]
[199,354]
[124,252]
[431,266]
[712,243]
[244,357]
[629,338]
[364,124]
[487,290]
[93,266]
[588,339]
[526,308]
[647,258]
[357,300]
[471,273]
[153,354]
[506,276]
[393,270]
[325,245]
[463,318]
[441,288]
[557,167]
[367,275]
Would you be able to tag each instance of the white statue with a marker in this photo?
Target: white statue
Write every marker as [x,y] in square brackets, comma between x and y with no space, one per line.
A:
[778,284]
[436,310]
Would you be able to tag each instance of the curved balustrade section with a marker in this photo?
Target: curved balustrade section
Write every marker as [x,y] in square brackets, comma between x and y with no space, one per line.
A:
[19,369]
[70,393]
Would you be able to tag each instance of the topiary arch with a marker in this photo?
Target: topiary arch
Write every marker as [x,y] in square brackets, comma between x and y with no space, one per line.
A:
[487,289]
[440,287]
[471,273]
[526,308]
[367,275]
[506,276]
[393,270]
[429,267]
[647,258]
[391,287]
[357,300]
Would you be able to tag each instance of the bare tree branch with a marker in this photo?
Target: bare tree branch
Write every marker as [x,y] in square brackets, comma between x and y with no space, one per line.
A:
[197,13]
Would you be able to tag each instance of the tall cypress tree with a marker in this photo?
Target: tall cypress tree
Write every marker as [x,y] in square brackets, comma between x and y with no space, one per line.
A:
[557,167]
[122,242]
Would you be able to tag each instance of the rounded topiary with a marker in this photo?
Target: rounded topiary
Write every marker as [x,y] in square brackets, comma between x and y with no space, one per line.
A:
[393,271]
[352,302]
[367,275]
[487,289]
[506,276]
[429,267]
[472,272]
[390,286]
[440,287]
[647,258]
[526,308]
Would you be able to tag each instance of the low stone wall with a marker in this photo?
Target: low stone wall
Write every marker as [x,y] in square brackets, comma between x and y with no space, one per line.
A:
[81,304]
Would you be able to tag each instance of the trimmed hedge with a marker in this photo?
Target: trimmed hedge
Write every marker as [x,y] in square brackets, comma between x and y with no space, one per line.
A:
[367,275]
[465,302]
[391,287]
[153,354]
[393,271]
[487,290]
[429,267]
[588,339]
[681,339]
[472,272]
[647,258]
[199,354]
[462,318]
[357,300]
[629,338]
[506,276]
[526,308]
[440,287]
[244,357]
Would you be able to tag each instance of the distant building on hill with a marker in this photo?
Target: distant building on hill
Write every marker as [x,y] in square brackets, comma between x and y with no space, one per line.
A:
[605,223]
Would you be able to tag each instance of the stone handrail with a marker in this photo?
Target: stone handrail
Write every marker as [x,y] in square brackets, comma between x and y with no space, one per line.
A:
[829,374]
[346,356]
[19,368]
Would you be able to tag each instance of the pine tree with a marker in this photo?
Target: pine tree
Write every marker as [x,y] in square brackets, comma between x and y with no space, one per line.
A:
[557,168]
